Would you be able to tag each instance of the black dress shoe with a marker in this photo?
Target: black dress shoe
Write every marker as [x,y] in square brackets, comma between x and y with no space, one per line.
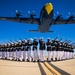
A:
[18,60]
[27,60]
[15,59]
[34,61]
[42,61]
[48,61]
[56,59]
[23,60]
[37,60]
[5,58]
[51,59]
[12,59]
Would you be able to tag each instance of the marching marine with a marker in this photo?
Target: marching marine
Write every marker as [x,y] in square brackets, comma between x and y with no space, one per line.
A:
[28,44]
[48,43]
[20,50]
[53,51]
[0,51]
[41,48]
[24,50]
[35,48]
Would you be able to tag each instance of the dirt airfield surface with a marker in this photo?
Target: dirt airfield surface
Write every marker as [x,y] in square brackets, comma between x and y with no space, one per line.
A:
[67,65]
[18,68]
[32,68]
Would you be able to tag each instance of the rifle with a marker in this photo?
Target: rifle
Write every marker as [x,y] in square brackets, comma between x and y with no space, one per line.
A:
[55,38]
[69,41]
[11,41]
[16,40]
[65,41]
[20,39]
[25,38]
[60,39]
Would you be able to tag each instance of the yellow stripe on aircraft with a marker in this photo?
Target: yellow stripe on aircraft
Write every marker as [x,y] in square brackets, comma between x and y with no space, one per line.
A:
[48,8]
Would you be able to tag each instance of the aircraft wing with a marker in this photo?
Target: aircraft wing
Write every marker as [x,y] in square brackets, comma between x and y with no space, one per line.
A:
[60,20]
[23,20]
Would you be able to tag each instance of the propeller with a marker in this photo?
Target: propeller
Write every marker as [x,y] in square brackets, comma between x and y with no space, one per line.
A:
[28,12]
[70,17]
[31,14]
[69,13]
[18,13]
[59,16]
[57,13]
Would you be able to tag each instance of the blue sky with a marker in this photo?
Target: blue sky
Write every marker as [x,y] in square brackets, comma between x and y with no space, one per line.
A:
[13,30]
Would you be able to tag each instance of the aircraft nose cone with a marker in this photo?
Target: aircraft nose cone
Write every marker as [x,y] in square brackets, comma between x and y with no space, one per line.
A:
[48,8]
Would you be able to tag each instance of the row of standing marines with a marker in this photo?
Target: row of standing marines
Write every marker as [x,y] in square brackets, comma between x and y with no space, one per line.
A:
[21,50]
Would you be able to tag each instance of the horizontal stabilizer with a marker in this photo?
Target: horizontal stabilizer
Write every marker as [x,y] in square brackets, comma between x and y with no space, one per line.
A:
[33,31]
[40,31]
[51,31]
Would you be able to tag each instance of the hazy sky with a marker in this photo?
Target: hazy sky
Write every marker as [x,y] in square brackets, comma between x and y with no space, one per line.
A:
[14,30]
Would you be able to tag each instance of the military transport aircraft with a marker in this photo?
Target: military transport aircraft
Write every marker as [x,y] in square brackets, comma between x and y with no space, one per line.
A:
[45,21]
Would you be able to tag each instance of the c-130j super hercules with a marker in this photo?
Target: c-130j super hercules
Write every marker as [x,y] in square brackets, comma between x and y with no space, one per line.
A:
[45,21]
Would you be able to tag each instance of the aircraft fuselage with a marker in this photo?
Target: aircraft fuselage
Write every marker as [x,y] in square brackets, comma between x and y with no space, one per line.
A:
[46,16]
